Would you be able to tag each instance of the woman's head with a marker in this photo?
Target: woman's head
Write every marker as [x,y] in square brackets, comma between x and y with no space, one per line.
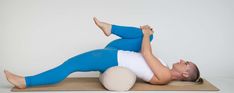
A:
[187,71]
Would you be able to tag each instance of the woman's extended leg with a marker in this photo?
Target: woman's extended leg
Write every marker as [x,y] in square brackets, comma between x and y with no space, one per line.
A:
[96,60]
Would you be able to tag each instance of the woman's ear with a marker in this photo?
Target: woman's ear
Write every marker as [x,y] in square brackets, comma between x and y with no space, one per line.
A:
[185,74]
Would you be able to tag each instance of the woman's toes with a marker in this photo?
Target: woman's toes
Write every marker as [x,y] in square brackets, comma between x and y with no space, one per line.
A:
[7,73]
[96,21]
[105,27]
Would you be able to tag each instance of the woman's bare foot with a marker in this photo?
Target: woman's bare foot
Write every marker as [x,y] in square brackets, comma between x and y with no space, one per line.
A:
[105,27]
[16,80]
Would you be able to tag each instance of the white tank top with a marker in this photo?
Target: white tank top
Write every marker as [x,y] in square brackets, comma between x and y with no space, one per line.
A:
[136,63]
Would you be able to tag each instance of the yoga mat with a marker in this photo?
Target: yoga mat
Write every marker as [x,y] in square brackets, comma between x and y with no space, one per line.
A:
[93,84]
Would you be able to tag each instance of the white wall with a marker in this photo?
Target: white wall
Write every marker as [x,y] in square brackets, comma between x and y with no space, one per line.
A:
[37,35]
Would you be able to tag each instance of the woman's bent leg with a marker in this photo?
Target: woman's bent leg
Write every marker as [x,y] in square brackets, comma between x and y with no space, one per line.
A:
[127,44]
[126,32]
[96,60]
[131,38]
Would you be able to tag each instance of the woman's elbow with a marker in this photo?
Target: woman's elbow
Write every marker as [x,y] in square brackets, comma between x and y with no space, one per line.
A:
[146,53]
[156,81]
[161,82]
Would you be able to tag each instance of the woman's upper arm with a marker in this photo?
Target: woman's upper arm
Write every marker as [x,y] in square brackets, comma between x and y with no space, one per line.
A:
[166,80]
[161,73]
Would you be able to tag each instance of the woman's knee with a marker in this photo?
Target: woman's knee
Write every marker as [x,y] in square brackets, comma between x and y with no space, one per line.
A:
[151,37]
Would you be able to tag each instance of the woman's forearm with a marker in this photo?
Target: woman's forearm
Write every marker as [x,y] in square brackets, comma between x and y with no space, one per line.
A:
[146,46]
[160,72]
[153,62]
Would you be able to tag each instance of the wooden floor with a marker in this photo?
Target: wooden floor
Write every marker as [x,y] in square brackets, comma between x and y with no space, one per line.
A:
[93,84]
[223,83]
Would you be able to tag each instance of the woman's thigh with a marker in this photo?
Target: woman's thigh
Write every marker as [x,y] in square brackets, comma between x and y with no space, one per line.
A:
[95,60]
[127,44]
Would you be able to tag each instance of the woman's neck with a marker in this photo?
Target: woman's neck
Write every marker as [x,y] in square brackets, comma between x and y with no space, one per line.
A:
[175,75]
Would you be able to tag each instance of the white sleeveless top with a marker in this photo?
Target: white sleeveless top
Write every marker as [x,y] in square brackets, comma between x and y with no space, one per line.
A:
[136,63]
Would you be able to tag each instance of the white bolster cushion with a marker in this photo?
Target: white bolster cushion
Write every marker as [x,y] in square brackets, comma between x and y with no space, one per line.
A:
[118,78]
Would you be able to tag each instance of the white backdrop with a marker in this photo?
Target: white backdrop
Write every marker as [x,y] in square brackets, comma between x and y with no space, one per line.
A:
[37,35]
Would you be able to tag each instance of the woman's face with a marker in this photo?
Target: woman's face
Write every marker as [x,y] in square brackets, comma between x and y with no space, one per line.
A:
[182,65]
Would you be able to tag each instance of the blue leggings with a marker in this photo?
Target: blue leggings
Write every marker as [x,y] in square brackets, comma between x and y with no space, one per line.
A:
[95,60]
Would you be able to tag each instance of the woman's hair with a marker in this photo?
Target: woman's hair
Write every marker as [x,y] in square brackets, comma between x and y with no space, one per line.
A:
[194,75]
[198,79]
